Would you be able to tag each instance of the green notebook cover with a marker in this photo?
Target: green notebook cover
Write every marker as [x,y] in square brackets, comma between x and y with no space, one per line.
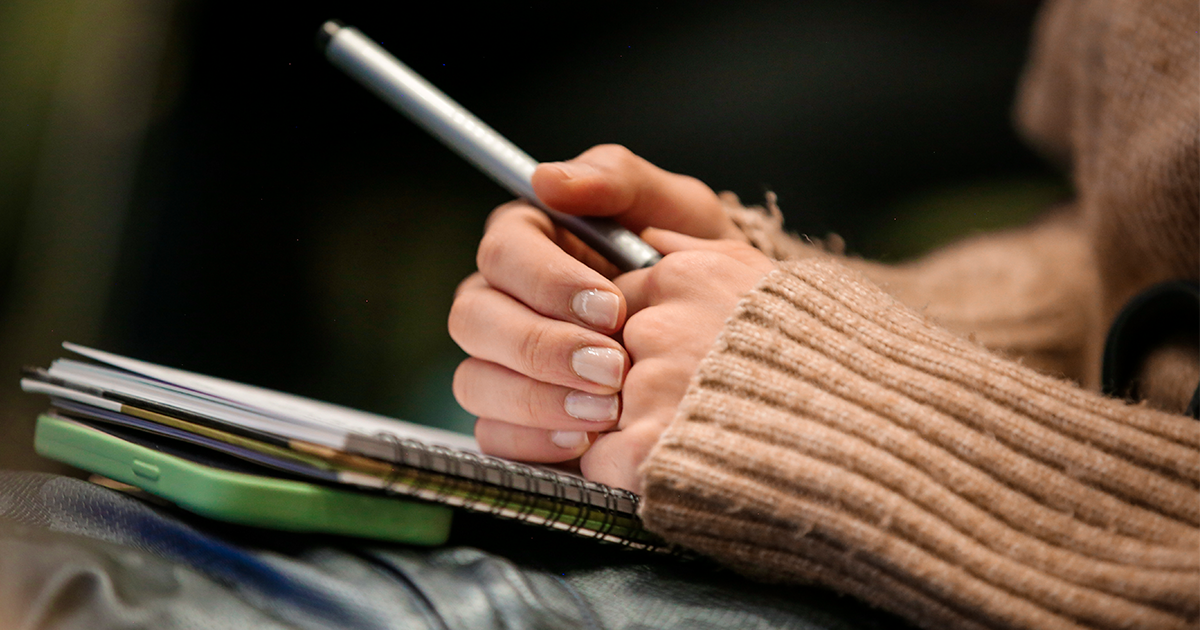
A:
[239,497]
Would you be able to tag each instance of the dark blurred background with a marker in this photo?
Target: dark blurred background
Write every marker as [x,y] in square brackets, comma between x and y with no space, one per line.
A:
[192,184]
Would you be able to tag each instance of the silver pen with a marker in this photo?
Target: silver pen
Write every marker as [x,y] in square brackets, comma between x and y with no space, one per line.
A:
[356,55]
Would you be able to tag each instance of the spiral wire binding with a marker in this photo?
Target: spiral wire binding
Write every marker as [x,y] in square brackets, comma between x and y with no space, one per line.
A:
[525,509]
[452,469]
[576,523]
[509,490]
[610,509]
[559,505]
[507,494]
[393,474]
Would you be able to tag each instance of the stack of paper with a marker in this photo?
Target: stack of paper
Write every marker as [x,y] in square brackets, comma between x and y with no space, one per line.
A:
[298,438]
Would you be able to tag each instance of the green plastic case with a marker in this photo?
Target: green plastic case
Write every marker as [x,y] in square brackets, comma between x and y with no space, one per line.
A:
[239,497]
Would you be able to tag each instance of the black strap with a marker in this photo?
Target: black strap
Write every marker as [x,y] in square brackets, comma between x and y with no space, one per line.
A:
[1146,321]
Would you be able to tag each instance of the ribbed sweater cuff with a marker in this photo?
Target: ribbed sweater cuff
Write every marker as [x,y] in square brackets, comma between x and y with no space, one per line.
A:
[835,436]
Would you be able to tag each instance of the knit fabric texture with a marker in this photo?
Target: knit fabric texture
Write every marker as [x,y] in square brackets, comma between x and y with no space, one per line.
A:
[924,436]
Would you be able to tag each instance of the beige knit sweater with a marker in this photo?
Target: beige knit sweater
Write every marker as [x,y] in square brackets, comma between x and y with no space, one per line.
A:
[925,437]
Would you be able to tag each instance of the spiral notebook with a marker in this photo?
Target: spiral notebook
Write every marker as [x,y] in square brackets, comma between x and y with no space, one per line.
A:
[331,444]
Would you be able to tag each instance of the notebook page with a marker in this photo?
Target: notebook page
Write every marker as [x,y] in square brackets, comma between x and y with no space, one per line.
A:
[148,391]
[285,405]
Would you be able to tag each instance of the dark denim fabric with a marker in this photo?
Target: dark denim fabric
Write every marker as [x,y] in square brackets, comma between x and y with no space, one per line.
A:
[76,555]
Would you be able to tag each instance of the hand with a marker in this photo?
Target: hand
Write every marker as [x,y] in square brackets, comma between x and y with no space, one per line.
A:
[675,311]
[537,319]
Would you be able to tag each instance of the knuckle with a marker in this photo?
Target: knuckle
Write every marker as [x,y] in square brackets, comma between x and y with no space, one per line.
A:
[499,211]
[672,266]
[611,151]
[486,435]
[659,276]
[646,330]
[454,321]
[460,317]
[491,252]
[461,385]
[468,283]
[533,349]
[687,269]
[532,404]
[673,273]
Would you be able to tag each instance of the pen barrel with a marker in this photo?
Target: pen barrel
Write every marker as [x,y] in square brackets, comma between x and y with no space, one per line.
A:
[610,239]
[395,83]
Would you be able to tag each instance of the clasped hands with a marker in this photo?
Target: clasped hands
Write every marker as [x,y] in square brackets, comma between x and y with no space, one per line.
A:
[571,360]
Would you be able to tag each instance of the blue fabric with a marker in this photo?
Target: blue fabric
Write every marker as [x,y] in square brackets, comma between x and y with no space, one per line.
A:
[77,555]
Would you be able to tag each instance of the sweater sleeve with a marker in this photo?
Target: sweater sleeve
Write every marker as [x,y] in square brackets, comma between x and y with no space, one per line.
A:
[837,436]
[1031,293]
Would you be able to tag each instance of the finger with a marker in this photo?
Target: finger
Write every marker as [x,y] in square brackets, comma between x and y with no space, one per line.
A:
[526,444]
[492,326]
[614,458]
[583,252]
[473,282]
[668,242]
[518,257]
[494,391]
[715,277]
[522,209]
[658,384]
[609,180]
[561,236]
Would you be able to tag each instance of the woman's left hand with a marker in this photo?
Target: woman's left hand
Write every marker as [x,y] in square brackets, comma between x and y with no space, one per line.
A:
[676,310]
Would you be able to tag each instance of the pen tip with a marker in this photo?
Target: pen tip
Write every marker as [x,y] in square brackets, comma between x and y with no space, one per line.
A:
[326,33]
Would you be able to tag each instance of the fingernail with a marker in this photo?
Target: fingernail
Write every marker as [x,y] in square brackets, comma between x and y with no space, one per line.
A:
[602,366]
[569,440]
[592,407]
[571,170]
[597,308]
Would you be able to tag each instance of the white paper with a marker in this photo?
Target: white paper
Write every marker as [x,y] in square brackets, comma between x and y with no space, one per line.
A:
[284,406]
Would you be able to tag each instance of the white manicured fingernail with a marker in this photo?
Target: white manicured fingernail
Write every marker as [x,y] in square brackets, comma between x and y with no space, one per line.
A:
[587,406]
[569,440]
[597,308]
[603,366]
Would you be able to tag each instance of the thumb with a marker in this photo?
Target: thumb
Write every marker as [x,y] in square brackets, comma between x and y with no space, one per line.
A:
[611,181]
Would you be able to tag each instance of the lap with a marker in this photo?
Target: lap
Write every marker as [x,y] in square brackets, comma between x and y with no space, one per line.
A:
[73,554]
